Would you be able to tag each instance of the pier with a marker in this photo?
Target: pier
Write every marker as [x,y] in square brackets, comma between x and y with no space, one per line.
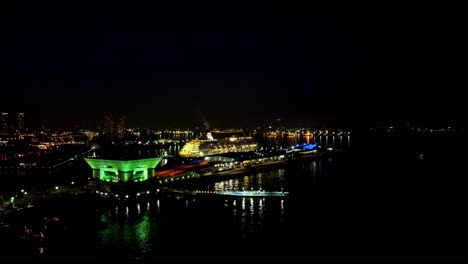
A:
[228,193]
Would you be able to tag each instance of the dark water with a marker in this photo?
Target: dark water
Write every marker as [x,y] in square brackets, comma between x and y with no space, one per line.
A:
[379,200]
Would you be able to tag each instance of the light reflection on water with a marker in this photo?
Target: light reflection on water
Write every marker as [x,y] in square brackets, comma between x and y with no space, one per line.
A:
[128,234]
[332,217]
[268,181]
[338,141]
[248,215]
[140,229]
[136,235]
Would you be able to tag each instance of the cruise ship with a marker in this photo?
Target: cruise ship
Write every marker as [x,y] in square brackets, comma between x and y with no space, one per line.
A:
[208,145]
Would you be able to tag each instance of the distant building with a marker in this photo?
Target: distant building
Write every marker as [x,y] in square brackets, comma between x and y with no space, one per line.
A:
[4,123]
[121,126]
[113,127]
[20,122]
[109,125]
[9,124]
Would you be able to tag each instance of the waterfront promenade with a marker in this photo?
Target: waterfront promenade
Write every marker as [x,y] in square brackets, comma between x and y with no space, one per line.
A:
[261,165]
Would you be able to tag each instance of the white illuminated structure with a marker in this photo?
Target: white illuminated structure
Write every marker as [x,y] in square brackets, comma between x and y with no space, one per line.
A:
[210,146]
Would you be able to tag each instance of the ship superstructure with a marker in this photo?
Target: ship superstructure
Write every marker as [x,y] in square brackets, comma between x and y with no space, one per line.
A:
[208,145]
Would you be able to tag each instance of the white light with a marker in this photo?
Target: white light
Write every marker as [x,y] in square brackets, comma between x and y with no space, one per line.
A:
[22,190]
[56,187]
[72,182]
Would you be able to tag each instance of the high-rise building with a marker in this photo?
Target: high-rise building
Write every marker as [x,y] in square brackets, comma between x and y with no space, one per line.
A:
[20,122]
[121,126]
[4,123]
[109,124]
[114,127]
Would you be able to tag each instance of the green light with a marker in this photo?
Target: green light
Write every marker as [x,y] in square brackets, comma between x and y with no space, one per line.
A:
[123,170]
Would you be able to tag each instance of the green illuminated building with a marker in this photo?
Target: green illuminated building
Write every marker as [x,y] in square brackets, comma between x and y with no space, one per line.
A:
[123,170]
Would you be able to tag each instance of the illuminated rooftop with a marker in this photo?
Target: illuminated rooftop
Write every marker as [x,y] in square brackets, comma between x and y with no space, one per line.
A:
[123,170]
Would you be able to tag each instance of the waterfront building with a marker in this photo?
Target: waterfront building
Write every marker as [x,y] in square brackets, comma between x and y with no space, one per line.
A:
[123,170]
[20,122]
[4,123]
[109,124]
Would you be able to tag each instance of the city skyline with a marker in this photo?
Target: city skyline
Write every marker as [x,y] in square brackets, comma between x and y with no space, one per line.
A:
[173,64]
[117,124]
[140,131]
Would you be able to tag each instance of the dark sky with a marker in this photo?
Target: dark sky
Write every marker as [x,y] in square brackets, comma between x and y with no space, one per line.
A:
[173,63]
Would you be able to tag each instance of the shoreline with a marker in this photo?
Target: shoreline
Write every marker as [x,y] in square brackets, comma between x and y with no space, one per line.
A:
[237,172]
[211,176]
[179,188]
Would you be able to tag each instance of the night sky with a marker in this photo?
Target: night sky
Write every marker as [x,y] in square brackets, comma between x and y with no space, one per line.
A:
[234,63]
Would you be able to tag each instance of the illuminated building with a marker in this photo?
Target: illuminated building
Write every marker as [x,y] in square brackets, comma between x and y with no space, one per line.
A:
[20,121]
[210,146]
[114,127]
[123,170]
[120,126]
[109,124]
[12,152]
